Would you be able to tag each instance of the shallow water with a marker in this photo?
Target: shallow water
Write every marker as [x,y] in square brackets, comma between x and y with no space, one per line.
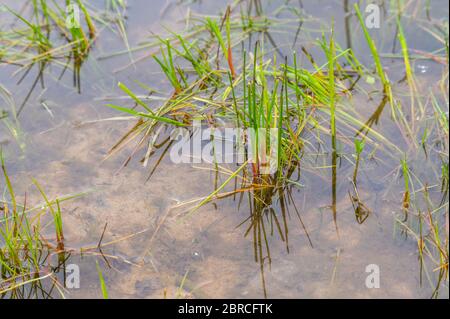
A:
[65,151]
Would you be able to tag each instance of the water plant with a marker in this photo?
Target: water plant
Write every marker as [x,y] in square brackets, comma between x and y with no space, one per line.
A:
[34,258]
[261,93]
[308,114]
[26,266]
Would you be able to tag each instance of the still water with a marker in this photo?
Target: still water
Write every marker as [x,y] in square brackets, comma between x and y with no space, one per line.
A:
[65,136]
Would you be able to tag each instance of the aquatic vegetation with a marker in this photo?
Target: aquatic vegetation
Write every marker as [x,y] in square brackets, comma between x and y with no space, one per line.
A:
[34,258]
[262,94]
[55,33]
[32,42]
[26,265]
[332,130]
[9,119]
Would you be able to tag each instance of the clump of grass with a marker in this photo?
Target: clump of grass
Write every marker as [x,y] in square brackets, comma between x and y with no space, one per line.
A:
[32,261]
[263,96]
[428,229]
[25,256]
[56,215]
[32,43]
[47,33]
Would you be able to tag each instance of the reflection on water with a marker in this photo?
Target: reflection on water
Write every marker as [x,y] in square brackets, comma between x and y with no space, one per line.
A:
[269,203]
[275,239]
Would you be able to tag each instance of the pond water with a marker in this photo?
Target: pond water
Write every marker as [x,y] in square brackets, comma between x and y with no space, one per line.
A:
[65,135]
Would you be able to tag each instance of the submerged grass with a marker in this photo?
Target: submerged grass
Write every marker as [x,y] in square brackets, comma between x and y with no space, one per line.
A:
[50,33]
[33,42]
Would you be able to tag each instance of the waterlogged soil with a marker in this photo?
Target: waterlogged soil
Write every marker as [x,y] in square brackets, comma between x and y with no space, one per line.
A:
[154,246]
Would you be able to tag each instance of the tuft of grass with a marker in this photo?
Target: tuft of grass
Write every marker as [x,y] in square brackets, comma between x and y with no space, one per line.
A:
[32,41]
[24,254]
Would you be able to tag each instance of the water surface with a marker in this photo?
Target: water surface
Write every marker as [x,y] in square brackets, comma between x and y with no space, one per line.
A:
[66,151]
